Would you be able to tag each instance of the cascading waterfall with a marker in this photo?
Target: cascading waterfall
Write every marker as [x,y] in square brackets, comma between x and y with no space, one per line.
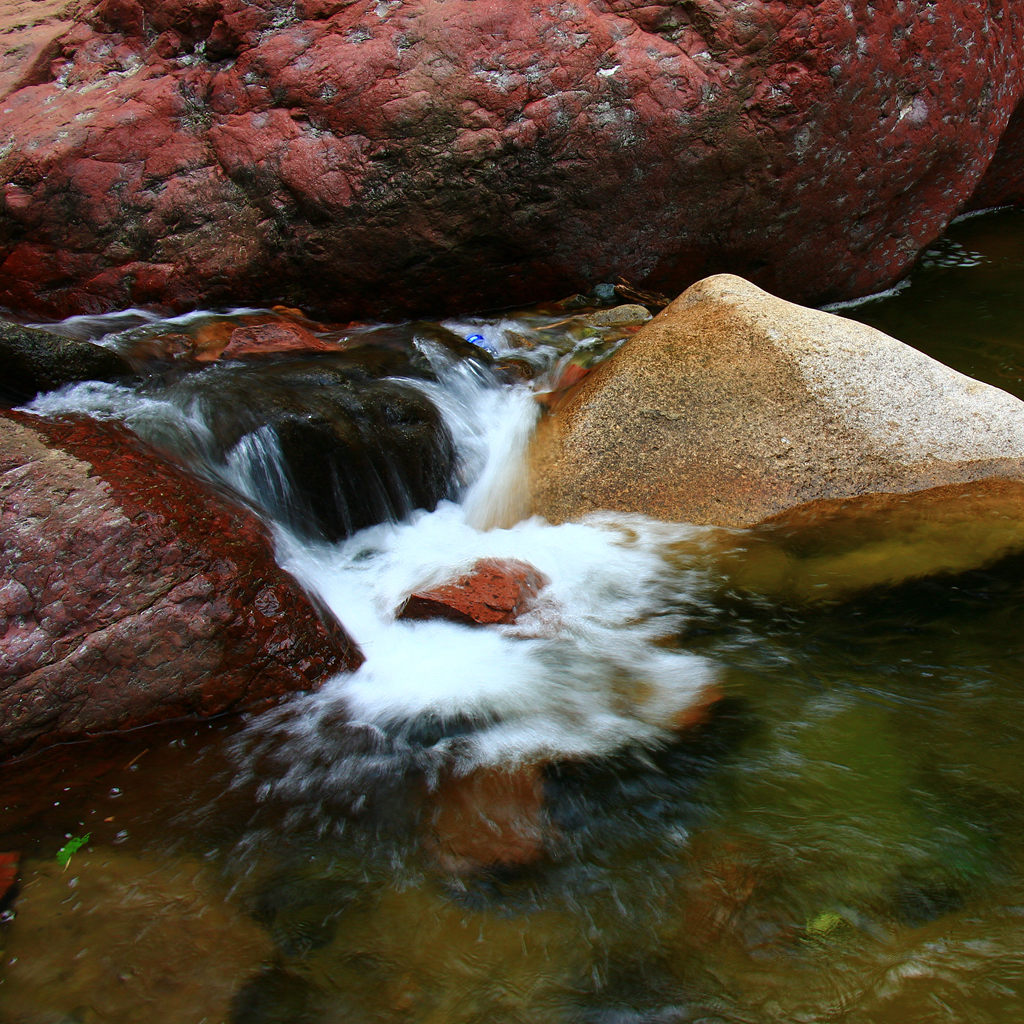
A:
[585,671]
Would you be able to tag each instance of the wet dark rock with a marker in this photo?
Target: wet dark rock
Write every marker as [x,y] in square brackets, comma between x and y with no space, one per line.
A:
[134,594]
[355,449]
[301,908]
[1003,182]
[33,361]
[277,996]
[635,795]
[634,990]
[914,902]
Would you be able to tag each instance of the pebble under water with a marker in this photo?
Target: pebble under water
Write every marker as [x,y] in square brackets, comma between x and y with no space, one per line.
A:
[656,798]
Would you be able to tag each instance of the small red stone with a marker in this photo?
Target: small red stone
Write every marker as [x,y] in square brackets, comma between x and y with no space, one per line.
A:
[570,376]
[267,339]
[493,591]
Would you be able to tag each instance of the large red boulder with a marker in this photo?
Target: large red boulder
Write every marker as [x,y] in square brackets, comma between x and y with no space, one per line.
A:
[132,594]
[1003,183]
[371,155]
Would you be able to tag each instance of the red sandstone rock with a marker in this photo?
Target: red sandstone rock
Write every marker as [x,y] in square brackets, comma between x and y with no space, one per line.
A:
[493,591]
[360,156]
[31,31]
[9,863]
[268,339]
[1003,182]
[133,594]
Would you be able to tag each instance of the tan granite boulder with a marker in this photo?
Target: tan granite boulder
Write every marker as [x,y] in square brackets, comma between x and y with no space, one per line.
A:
[737,409]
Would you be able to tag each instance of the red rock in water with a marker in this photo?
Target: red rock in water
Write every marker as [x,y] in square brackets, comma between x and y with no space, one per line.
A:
[268,339]
[494,591]
[9,863]
[489,817]
[134,594]
[365,158]
[571,375]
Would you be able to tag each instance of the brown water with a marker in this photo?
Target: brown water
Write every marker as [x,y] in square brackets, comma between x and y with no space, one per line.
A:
[839,836]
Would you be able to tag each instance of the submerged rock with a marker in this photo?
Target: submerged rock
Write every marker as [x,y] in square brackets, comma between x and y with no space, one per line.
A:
[129,938]
[734,408]
[493,591]
[134,594]
[489,817]
[33,361]
[9,872]
[486,153]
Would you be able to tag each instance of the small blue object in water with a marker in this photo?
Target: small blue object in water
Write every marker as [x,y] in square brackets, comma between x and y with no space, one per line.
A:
[481,341]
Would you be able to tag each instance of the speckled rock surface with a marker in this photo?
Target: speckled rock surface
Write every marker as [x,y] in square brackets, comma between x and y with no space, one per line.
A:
[131,594]
[1003,183]
[733,406]
[359,157]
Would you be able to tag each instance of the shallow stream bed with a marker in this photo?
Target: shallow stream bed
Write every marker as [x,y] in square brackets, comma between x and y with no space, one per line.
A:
[703,807]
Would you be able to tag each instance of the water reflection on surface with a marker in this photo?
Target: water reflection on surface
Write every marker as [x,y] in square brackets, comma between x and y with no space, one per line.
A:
[834,833]
[840,836]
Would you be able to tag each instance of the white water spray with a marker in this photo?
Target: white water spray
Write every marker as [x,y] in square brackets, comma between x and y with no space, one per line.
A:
[584,672]
[589,669]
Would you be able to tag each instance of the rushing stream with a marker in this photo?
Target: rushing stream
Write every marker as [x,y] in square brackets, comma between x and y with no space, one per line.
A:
[707,806]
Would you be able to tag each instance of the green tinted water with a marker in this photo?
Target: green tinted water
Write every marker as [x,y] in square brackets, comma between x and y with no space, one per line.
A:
[840,838]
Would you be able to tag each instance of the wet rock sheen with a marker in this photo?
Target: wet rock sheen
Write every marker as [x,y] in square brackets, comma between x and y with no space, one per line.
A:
[135,594]
[33,361]
[353,448]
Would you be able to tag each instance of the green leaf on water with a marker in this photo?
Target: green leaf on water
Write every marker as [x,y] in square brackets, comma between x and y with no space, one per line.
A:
[73,844]
[824,923]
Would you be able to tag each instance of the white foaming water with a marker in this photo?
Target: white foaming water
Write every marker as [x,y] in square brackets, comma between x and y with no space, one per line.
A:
[106,328]
[491,427]
[159,421]
[581,673]
[584,672]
